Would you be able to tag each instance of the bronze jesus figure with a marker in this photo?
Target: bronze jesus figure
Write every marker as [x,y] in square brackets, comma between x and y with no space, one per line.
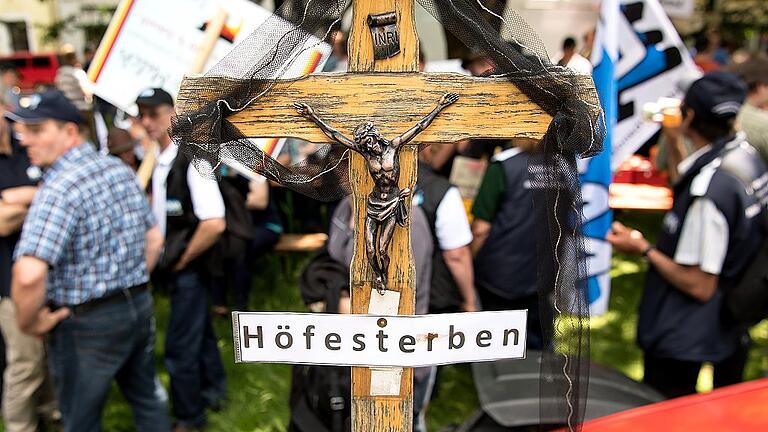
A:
[386,202]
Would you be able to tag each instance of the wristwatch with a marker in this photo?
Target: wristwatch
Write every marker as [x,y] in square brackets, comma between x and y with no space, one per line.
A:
[648,250]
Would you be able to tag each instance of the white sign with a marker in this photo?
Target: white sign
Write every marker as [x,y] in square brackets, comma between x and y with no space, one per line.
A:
[376,340]
[153,43]
[653,62]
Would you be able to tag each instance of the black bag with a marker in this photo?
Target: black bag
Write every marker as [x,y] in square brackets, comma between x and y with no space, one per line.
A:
[320,398]
[746,302]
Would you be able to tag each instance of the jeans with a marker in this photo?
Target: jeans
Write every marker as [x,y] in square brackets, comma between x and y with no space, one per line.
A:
[113,341]
[191,354]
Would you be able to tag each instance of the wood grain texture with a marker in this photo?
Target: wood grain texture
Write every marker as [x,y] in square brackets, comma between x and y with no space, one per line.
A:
[360,44]
[394,102]
[382,413]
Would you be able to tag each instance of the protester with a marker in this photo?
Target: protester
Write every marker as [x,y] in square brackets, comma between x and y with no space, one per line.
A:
[441,157]
[704,57]
[340,247]
[572,59]
[707,240]
[504,249]
[753,117]
[588,41]
[453,287]
[190,213]
[265,228]
[339,60]
[27,389]
[81,270]
[253,227]
[9,86]
[121,144]
[70,78]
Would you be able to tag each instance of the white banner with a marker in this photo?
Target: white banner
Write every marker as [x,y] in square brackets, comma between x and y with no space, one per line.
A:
[652,62]
[375,340]
[152,43]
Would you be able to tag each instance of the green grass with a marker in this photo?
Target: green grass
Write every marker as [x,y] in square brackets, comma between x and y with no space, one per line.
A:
[258,394]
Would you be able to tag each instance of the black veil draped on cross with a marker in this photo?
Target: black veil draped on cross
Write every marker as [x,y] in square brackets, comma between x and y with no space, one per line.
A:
[248,73]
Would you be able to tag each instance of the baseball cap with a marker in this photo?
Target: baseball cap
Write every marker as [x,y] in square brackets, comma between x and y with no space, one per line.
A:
[40,107]
[716,96]
[154,97]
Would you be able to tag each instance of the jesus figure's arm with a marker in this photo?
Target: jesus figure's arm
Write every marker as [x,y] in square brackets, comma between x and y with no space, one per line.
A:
[307,111]
[444,102]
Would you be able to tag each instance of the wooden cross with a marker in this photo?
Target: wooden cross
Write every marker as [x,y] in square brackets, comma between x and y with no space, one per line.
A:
[394,97]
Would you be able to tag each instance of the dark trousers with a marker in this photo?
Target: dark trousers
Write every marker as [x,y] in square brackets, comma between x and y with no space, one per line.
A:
[238,271]
[674,378]
[113,341]
[191,354]
[492,302]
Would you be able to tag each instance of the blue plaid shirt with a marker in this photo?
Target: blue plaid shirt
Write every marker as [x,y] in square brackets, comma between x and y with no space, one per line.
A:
[88,222]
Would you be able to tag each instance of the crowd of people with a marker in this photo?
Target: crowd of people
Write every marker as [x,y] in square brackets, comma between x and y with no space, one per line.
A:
[87,232]
[84,237]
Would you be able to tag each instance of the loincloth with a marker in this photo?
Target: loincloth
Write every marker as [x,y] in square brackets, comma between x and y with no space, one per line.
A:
[382,209]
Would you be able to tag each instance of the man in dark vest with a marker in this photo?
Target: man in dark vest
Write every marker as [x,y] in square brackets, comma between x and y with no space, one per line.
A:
[503,244]
[453,287]
[708,238]
[190,212]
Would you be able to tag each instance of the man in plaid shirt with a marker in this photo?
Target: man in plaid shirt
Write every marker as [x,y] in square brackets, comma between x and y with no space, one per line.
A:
[81,270]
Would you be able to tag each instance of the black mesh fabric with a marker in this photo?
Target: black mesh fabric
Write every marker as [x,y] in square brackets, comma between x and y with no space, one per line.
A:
[248,73]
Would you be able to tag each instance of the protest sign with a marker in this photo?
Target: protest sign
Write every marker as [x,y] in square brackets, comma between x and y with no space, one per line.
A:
[376,340]
[467,174]
[153,44]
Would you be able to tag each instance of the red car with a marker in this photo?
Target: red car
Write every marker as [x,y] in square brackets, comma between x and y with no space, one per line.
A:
[36,70]
[736,408]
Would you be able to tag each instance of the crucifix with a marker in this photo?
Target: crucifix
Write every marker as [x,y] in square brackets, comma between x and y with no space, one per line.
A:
[384,95]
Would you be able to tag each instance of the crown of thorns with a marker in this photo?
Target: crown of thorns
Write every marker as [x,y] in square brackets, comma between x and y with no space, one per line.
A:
[364,130]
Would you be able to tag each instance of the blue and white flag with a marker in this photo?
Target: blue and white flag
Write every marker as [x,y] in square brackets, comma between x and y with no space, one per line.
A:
[638,58]
[596,171]
[653,63]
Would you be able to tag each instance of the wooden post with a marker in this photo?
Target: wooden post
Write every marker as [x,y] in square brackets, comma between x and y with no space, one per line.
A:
[374,412]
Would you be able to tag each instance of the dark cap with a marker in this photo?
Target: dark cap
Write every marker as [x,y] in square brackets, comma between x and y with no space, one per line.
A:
[716,96]
[39,107]
[154,97]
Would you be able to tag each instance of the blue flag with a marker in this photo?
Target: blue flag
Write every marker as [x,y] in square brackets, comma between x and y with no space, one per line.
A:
[638,58]
[596,172]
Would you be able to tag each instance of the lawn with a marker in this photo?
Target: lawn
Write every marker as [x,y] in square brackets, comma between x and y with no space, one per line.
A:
[258,394]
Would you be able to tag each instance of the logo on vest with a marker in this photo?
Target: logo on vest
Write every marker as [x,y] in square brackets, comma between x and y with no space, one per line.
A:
[671,223]
[173,208]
